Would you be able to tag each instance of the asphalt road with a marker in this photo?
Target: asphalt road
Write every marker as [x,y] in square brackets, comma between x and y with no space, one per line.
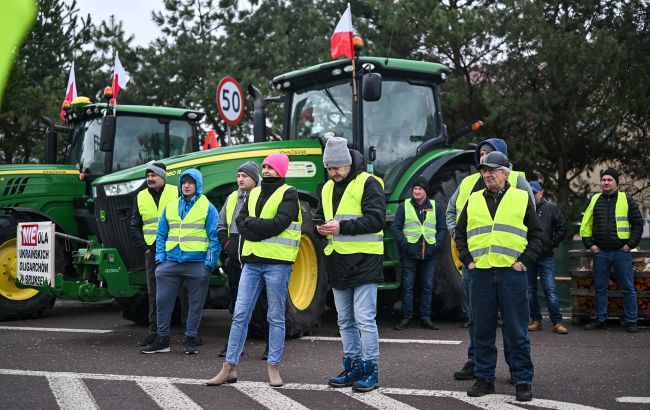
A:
[85,356]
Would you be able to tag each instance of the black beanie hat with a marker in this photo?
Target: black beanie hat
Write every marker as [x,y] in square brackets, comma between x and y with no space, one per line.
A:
[611,172]
[421,182]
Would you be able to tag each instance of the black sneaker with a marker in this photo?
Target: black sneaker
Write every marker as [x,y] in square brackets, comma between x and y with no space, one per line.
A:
[149,339]
[428,324]
[466,373]
[160,345]
[190,345]
[524,392]
[481,388]
[403,324]
[199,341]
[631,328]
[596,325]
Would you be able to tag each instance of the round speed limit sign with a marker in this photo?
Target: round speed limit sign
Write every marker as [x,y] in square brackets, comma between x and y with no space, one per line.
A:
[230,101]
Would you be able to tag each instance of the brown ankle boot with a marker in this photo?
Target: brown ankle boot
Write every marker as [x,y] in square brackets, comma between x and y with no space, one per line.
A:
[274,376]
[228,374]
[535,325]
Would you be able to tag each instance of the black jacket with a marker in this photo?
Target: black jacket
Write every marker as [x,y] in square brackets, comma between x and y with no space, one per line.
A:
[554,225]
[347,271]
[256,229]
[604,224]
[232,244]
[534,237]
[420,249]
[136,222]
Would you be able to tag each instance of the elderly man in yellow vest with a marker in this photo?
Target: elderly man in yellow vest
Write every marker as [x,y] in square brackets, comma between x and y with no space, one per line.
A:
[148,206]
[498,235]
[270,223]
[352,214]
[187,250]
[419,229]
[612,226]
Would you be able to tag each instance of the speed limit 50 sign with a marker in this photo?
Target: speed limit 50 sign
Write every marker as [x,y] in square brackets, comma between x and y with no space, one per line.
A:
[230,101]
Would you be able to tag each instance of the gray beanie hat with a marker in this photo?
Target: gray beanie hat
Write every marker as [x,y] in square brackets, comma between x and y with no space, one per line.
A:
[336,153]
[250,168]
[157,168]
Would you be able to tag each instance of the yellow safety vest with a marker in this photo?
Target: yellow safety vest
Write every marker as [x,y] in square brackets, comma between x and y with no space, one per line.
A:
[189,233]
[231,202]
[350,209]
[282,247]
[413,228]
[498,242]
[468,183]
[150,213]
[621,211]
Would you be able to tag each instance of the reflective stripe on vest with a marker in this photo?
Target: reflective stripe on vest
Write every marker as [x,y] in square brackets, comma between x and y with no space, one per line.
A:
[282,247]
[413,229]
[350,208]
[498,242]
[188,233]
[150,213]
[466,188]
[621,211]
[231,204]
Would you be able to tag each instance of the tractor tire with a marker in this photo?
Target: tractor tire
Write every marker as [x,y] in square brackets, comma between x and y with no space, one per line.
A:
[136,309]
[17,303]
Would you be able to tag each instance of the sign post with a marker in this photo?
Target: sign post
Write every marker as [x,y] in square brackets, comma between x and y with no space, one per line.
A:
[35,254]
[230,102]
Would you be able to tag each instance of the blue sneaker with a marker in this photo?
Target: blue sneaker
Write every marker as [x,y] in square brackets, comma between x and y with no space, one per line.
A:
[370,378]
[351,373]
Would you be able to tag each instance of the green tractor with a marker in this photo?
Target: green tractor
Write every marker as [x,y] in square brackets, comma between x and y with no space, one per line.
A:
[391,113]
[60,190]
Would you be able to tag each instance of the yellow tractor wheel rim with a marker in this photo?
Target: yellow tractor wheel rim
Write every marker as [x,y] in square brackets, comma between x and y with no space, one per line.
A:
[304,278]
[8,287]
[456,257]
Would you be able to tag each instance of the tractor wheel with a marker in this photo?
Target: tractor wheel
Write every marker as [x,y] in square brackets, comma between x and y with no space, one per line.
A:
[136,309]
[18,303]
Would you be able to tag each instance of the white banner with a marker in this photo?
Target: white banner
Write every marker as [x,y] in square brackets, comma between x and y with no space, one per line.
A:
[35,254]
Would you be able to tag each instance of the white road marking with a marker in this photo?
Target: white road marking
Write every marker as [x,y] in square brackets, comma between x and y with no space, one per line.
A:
[415,341]
[272,398]
[71,393]
[168,396]
[631,399]
[54,329]
[268,396]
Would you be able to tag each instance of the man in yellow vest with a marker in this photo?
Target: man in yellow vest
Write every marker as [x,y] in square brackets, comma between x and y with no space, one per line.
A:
[187,250]
[611,226]
[498,235]
[468,185]
[147,208]
[353,209]
[419,229]
[270,223]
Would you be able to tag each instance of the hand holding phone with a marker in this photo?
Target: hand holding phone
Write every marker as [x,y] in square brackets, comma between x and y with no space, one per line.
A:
[318,221]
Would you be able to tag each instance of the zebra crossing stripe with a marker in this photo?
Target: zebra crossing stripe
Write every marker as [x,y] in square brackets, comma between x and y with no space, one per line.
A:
[405,341]
[167,396]
[377,400]
[54,329]
[268,396]
[71,393]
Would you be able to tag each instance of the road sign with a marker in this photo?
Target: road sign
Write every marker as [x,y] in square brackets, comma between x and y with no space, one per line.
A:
[35,253]
[230,101]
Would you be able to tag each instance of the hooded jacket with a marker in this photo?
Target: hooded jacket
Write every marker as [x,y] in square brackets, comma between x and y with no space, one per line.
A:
[208,258]
[347,271]
[256,229]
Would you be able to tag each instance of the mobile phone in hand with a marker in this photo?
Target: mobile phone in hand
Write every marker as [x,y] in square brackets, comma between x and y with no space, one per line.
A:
[318,221]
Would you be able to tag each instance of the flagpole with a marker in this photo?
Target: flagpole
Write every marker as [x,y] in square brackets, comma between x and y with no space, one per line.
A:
[354,79]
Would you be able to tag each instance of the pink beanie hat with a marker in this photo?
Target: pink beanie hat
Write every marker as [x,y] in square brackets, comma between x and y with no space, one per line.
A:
[279,162]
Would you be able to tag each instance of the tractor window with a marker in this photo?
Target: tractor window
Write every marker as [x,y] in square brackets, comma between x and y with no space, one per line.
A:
[85,153]
[316,111]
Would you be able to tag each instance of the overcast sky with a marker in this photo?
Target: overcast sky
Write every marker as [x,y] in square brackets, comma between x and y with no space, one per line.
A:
[135,14]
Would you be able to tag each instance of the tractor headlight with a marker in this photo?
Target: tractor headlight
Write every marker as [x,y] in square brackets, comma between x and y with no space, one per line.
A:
[123,188]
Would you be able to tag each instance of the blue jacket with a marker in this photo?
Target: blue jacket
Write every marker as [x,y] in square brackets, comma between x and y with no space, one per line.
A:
[208,258]
[421,249]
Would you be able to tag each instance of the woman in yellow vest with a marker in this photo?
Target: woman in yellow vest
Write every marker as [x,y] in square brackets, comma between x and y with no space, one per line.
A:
[270,223]
[497,236]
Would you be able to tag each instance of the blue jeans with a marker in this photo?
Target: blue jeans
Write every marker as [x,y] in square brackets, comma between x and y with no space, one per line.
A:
[622,263]
[426,269]
[505,290]
[545,268]
[254,277]
[357,309]
[169,280]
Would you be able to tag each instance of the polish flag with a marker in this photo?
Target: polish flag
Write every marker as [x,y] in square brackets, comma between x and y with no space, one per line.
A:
[120,79]
[341,40]
[70,91]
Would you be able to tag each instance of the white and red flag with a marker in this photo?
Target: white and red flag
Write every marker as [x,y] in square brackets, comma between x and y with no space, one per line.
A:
[70,91]
[120,79]
[341,40]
